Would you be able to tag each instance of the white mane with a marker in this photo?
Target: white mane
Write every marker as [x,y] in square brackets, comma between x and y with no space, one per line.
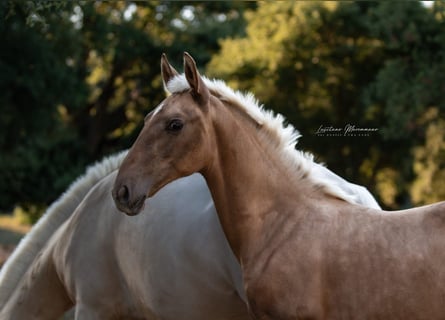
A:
[17,264]
[285,135]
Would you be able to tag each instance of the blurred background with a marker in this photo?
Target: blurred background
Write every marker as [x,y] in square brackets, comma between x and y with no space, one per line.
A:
[77,78]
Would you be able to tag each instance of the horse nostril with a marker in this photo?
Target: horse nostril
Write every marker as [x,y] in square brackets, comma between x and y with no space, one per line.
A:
[123,194]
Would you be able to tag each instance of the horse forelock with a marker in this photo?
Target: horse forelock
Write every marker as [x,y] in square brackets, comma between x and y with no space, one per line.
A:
[281,136]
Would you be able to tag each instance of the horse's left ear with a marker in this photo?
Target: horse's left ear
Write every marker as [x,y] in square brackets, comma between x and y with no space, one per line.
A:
[199,89]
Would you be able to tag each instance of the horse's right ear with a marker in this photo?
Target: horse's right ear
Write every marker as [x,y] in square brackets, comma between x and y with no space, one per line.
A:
[167,71]
[198,88]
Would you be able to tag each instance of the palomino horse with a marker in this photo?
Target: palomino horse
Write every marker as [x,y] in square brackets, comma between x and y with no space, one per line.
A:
[306,252]
[172,262]
[176,275]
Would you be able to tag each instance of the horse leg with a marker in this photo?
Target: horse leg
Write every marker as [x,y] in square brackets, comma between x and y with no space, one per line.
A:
[39,295]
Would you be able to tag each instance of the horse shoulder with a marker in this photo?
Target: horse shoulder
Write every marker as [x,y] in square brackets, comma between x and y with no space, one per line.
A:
[284,280]
[269,293]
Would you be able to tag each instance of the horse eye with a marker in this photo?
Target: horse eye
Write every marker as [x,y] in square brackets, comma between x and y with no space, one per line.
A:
[175,125]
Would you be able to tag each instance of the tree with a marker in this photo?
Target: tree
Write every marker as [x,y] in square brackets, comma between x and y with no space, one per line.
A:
[34,80]
[79,77]
[370,64]
[429,166]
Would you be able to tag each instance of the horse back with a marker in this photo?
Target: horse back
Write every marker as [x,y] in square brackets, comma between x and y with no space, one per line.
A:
[434,215]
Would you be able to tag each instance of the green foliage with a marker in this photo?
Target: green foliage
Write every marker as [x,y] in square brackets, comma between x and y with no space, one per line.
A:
[414,71]
[77,79]
[429,164]
[36,146]
[371,64]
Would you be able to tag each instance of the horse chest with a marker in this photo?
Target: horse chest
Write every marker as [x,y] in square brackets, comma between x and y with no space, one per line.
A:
[271,298]
[285,286]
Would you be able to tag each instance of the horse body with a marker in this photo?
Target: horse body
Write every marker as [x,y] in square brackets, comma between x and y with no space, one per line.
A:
[113,267]
[348,263]
[172,262]
[307,251]
[391,264]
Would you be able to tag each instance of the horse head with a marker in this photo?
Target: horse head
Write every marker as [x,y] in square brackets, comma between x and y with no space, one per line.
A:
[172,144]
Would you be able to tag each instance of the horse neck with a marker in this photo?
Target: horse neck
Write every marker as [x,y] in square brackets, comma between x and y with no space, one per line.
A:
[247,179]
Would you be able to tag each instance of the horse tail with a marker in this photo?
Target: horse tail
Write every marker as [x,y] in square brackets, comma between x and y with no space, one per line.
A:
[56,214]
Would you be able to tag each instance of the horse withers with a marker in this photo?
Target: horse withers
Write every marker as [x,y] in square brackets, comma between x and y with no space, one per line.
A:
[306,250]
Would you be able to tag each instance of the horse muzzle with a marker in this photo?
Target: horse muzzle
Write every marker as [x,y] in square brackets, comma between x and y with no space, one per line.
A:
[125,203]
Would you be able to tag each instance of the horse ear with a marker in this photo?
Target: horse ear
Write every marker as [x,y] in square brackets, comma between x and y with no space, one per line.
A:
[167,71]
[199,89]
